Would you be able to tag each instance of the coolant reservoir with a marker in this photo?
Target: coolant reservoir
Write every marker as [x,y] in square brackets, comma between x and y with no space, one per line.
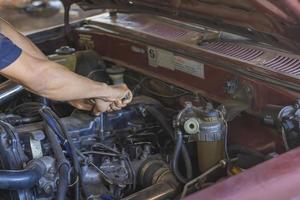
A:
[65,56]
[116,74]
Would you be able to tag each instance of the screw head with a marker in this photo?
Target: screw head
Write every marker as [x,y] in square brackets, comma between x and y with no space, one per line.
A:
[48,189]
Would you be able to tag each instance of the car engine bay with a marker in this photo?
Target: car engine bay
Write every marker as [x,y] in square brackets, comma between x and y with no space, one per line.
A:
[171,141]
[150,150]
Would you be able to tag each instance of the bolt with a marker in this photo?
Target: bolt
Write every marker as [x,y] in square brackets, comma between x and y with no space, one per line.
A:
[52,170]
[248,89]
[188,104]
[223,163]
[48,189]
[37,135]
[297,104]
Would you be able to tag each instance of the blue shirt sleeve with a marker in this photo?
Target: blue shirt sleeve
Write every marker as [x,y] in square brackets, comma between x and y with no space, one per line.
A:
[9,52]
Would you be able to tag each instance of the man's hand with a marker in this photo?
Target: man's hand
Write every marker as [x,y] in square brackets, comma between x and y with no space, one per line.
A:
[97,107]
[120,96]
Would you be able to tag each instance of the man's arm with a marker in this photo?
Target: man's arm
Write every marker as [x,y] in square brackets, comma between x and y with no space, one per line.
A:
[54,81]
[46,78]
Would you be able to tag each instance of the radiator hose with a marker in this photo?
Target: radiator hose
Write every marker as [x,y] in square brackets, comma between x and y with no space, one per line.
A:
[56,125]
[22,179]
[63,164]
[180,148]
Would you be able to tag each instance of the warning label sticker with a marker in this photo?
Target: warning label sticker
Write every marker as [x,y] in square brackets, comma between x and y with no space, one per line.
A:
[166,59]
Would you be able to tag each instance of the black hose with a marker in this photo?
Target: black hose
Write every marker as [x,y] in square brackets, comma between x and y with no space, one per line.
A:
[73,151]
[64,170]
[176,158]
[161,119]
[29,111]
[181,148]
[17,120]
[62,162]
[22,179]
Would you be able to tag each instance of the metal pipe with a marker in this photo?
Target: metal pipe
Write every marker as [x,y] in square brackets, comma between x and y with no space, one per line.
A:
[8,90]
[157,191]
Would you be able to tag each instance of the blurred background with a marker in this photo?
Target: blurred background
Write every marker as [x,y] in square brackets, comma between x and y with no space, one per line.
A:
[29,16]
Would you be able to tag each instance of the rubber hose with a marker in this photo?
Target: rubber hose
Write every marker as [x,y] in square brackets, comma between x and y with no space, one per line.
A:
[176,158]
[22,179]
[72,149]
[187,161]
[63,163]
[63,182]
[185,154]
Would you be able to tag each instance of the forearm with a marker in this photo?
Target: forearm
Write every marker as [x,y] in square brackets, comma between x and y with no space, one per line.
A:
[53,81]
[64,85]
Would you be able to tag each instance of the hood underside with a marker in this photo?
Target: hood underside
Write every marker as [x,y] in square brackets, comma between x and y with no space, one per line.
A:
[276,22]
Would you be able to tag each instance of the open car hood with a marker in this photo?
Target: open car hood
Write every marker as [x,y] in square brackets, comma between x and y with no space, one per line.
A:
[276,22]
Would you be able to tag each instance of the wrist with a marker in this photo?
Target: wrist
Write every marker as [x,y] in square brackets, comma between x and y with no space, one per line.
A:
[103,91]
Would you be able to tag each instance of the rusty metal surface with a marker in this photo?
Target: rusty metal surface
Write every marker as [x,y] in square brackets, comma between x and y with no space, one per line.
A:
[276,179]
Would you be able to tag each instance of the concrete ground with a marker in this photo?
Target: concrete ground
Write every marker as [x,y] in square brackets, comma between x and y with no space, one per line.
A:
[27,23]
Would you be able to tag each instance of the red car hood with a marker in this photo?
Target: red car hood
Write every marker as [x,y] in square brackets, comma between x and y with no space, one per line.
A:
[276,22]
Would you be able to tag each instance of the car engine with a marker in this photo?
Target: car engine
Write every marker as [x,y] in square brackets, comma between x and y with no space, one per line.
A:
[167,143]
